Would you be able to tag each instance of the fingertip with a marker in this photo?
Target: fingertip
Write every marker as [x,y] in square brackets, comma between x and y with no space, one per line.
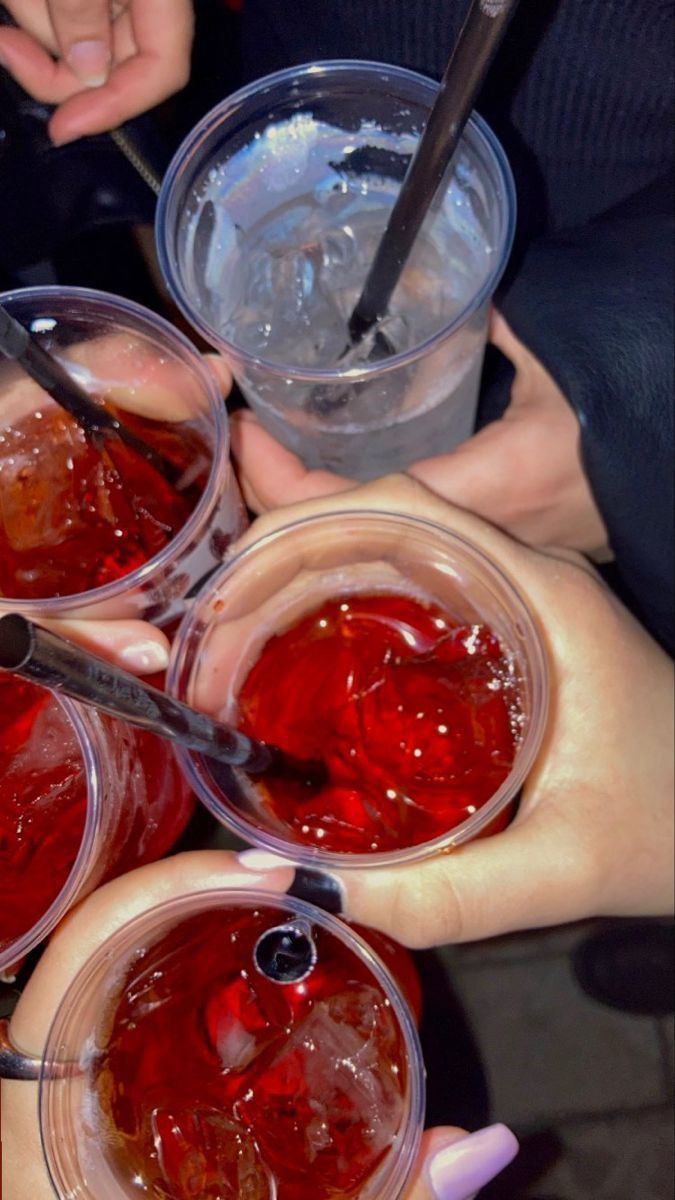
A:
[90,60]
[223,375]
[135,646]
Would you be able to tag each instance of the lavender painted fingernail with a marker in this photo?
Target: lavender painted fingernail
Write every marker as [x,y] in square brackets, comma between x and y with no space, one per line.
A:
[460,1170]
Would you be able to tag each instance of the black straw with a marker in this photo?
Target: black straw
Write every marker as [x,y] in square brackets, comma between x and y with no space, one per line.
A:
[17,343]
[51,661]
[474,51]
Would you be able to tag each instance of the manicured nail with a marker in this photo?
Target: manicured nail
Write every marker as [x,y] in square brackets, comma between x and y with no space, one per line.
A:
[144,658]
[262,860]
[316,887]
[467,1165]
[319,888]
[90,61]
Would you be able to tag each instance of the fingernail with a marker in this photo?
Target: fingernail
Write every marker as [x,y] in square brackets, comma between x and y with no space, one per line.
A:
[262,860]
[466,1166]
[90,61]
[319,888]
[144,657]
[315,887]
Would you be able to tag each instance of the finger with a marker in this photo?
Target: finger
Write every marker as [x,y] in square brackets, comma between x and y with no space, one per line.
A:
[139,376]
[82,29]
[502,336]
[539,872]
[136,646]
[398,494]
[112,907]
[270,475]
[122,368]
[47,80]
[479,474]
[453,1165]
[221,371]
[33,16]
[160,67]
[483,889]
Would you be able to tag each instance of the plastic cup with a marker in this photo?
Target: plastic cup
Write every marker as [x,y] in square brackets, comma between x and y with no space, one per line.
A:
[81,1153]
[267,222]
[137,805]
[130,356]
[270,585]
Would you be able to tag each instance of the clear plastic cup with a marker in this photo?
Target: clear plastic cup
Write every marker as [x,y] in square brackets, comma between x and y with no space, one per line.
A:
[137,805]
[75,1144]
[267,222]
[127,354]
[270,585]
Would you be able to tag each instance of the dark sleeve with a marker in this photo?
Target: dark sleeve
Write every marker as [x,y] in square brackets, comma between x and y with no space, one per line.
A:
[595,305]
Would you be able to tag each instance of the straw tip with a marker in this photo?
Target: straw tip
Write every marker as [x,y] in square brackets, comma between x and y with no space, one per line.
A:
[16,641]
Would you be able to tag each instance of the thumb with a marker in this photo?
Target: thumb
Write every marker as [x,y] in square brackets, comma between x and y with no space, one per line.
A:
[84,37]
[452,1164]
[541,871]
[532,875]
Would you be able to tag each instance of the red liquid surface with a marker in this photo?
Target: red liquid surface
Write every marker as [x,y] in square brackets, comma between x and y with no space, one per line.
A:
[43,801]
[74,518]
[222,1085]
[415,717]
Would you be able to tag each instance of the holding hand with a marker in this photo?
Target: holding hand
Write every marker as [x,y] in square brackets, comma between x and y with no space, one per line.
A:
[451,1165]
[594,832]
[100,61]
[523,472]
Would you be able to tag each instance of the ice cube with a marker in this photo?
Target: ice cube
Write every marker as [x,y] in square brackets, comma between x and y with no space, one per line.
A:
[331,1101]
[204,1155]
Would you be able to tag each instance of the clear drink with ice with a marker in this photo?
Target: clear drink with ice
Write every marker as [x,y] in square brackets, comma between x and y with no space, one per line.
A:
[269,219]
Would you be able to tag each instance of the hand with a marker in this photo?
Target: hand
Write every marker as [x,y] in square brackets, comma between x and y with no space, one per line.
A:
[451,1166]
[594,831]
[100,61]
[523,472]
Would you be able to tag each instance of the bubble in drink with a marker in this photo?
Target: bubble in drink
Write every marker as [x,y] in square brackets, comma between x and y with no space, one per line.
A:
[215,1083]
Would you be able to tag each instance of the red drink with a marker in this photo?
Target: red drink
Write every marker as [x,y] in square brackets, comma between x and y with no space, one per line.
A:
[73,784]
[415,716]
[74,517]
[43,804]
[217,1084]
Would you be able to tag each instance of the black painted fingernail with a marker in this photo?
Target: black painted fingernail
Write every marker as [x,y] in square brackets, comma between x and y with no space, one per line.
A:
[319,888]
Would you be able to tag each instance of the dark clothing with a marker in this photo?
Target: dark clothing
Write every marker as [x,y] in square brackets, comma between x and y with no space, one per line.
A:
[581,96]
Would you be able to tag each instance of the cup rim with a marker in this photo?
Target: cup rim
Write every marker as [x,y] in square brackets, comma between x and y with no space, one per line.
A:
[119,306]
[164,234]
[82,724]
[473,825]
[119,946]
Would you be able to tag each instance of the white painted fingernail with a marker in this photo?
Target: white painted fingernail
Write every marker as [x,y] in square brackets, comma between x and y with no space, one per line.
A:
[144,658]
[262,860]
[90,61]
